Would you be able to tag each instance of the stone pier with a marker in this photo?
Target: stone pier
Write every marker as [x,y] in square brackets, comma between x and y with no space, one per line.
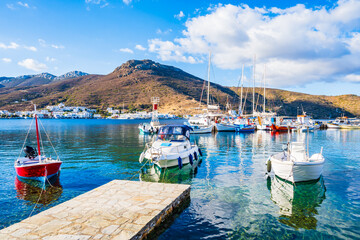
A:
[116,210]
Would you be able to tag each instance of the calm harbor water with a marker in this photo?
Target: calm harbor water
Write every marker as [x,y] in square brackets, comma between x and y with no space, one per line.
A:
[231,196]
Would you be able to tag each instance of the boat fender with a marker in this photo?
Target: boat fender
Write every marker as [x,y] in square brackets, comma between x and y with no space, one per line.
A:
[180,162]
[200,153]
[191,159]
[195,156]
[141,158]
[268,165]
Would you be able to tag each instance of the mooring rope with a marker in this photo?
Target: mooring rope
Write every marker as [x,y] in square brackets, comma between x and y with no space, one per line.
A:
[42,190]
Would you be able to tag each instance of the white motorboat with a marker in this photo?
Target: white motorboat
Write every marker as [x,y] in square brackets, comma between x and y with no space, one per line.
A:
[303,128]
[172,147]
[295,165]
[148,128]
[199,129]
[225,127]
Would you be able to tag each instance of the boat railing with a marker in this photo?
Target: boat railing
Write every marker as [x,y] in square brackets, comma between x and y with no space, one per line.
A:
[159,151]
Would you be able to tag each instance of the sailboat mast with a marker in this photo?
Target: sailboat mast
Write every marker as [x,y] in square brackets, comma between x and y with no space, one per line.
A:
[253,103]
[241,93]
[264,87]
[208,91]
[37,132]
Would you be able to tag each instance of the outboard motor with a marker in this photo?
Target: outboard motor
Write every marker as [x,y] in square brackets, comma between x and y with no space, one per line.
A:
[30,152]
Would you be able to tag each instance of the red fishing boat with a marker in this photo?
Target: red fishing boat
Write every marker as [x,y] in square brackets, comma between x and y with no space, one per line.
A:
[34,165]
[276,128]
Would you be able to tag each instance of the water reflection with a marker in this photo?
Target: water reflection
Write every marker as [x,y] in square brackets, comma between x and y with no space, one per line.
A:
[38,192]
[297,202]
[154,173]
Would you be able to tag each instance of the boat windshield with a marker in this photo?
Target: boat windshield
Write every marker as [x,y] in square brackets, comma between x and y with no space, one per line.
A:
[171,131]
[171,137]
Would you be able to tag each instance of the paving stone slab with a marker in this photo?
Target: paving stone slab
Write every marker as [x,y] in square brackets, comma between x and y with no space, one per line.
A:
[117,210]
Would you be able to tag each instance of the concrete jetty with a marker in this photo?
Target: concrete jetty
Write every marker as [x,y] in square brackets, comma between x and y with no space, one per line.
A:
[117,210]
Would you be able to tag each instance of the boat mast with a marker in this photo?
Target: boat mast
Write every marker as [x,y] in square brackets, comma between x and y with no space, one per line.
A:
[208,92]
[264,87]
[37,133]
[241,93]
[253,104]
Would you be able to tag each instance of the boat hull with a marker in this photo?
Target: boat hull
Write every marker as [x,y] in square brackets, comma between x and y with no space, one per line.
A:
[276,128]
[225,128]
[245,129]
[38,171]
[334,126]
[172,160]
[297,171]
[202,130]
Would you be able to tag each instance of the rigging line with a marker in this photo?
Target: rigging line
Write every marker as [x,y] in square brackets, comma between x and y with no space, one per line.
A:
[257,101]
[202,92]
[42,190]
[42,145]
[26,138]
[49,140]
[246,94]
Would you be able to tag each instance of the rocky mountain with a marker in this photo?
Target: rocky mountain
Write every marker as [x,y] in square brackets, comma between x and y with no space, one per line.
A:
[72,74]
[36,80]
[134,83]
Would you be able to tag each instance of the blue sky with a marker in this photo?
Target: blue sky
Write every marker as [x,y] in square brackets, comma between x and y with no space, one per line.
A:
[311,47]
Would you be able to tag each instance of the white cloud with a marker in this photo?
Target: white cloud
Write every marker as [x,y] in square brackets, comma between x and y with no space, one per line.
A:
[159,31]
[31,48]
[126,50]
[140,47]
[43,43]
[57,46]
[10,6]
[23,4]
[168,51]
[50,59]
[32,65]
[127,2]
[12,45]
[353,78]
[94,1]
[180,15]
[7,60]
[299,45]
[104,5]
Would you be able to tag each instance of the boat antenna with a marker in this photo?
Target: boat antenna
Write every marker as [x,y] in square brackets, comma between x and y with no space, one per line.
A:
[37,132]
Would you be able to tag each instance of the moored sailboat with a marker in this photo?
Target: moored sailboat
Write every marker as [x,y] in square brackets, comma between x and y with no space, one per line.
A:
[34,165]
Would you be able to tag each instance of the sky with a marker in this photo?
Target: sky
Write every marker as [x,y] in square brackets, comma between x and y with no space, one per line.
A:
[311,47]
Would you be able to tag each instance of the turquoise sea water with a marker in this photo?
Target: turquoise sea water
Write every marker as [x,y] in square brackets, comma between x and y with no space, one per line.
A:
[231,197]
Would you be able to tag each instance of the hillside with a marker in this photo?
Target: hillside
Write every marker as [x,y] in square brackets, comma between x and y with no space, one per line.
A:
[36,80]
[135,82]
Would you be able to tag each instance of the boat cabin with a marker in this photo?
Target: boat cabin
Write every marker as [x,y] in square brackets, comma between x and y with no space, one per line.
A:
[174,133]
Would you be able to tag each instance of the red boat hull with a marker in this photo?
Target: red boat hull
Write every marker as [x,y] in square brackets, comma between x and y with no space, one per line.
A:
[276,128]
[38,171]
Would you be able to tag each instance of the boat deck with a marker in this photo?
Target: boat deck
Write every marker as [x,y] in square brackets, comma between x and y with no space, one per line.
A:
[117,210]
